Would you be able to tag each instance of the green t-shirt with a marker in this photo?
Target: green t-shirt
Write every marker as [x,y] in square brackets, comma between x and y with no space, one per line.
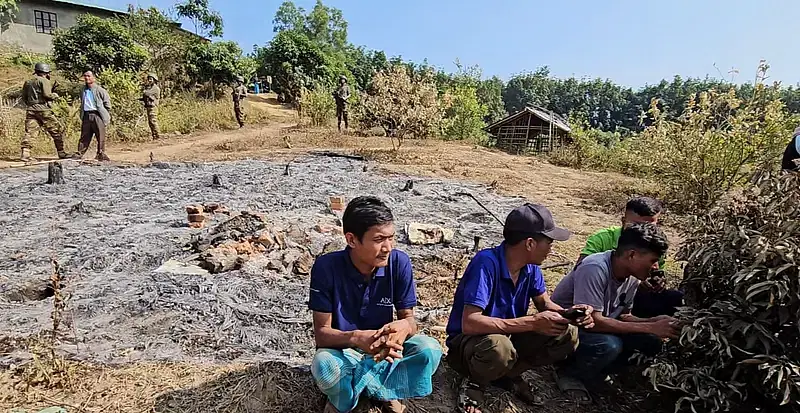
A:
[605,240]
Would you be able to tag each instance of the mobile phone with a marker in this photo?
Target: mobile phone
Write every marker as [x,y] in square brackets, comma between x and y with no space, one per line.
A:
[573,314]
[658,273]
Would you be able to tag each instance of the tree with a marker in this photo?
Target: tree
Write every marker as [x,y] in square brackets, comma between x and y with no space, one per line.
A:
[96,43]
[365,64]
[490,95]
[165,44]
[217,62]
[464,115]
[295,61]
[206,21]
[8,10]
[327,26]
[289,17]
[403,105]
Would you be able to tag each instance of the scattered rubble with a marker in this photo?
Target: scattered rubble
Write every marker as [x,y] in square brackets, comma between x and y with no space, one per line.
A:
[428,234]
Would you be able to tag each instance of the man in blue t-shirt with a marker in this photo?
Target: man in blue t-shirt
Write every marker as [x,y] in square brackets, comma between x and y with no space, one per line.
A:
[361,348]
[490,336]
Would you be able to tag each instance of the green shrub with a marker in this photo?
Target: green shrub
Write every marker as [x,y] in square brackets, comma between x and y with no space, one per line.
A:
[318,105]
[464,115]
[741,340]
[713,147]
[95,43]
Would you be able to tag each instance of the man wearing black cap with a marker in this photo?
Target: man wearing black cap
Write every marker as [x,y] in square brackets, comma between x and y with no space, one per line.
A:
[490,336]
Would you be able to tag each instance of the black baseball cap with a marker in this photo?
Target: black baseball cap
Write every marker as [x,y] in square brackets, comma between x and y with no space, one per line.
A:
[533,219]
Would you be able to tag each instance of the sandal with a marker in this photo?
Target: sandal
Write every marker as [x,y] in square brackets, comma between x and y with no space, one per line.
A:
[573,388]
[520,388]
[470,395]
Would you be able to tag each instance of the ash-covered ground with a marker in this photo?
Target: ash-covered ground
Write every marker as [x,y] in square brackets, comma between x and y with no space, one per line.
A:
[110,227]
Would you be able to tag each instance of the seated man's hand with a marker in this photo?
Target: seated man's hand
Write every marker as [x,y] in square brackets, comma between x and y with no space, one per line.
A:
[588,320]
[549,323]
[388,341]
[665,328]
[363,340]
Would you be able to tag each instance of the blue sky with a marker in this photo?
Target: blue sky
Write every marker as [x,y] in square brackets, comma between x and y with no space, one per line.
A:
[630,42]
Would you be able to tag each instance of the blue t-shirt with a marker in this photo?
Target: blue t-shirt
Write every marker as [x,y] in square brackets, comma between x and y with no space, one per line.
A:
[487,285]
[337,287]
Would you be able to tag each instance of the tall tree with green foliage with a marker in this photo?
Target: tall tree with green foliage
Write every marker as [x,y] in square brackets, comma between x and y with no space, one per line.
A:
[94,43]
[8,10]
[327,26]
[289,17]
[490,95]
[206,22]
[217,62]
[165,44]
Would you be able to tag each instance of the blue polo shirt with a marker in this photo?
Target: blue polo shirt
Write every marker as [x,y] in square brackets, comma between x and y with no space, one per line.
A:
[338,288]
[487,285]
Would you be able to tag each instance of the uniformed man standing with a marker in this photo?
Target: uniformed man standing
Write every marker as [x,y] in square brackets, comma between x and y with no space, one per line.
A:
[239,95]
[150,97]
[341,95]
[37,94]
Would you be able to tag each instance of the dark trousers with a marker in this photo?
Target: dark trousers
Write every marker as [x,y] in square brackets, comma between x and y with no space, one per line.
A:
[92,125]
[341,115]
[237,110]
[789,156]
[488,358]
[601,354]
[647,304]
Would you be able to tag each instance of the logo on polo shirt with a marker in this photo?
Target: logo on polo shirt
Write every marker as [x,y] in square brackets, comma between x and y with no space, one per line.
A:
[385,302]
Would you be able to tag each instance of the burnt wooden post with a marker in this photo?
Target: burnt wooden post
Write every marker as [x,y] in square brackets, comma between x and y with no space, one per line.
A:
[55,173]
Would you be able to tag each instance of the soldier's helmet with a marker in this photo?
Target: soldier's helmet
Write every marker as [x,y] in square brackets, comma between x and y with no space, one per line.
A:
[240,79]
[153,76]
[41,68]
[343,77]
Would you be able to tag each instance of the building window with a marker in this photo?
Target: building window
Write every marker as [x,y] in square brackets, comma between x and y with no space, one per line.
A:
[45,22]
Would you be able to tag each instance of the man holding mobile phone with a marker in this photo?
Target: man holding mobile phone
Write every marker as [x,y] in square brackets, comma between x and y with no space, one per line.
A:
[607,282]
[491,337]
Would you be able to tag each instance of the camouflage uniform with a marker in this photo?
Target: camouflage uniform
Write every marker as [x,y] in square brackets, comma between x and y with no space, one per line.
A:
[37,94]
[239,95]
[341,95]
[150,97]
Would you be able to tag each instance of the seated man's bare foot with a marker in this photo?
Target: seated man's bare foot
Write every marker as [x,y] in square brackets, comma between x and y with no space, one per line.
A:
[393,406]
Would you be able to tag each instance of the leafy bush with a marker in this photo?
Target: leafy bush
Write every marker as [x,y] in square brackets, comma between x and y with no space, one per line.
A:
[318,105]
[94,43]
[741,341]
[218,62]
[716,144]
[464,115]
[603,151]
[713,147]
[403,105]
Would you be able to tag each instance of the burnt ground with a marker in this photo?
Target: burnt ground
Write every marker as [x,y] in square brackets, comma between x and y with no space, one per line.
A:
[238,341]
[110,227]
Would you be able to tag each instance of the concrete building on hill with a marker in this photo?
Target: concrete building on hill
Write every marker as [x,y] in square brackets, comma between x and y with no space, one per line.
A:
[34,24]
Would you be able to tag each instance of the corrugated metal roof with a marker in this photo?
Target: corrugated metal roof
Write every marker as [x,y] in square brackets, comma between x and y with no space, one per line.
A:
[541,113]
[89,5]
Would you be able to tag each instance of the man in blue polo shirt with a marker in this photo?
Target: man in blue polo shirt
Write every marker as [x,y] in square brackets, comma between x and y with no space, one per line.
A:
[361,348]
[490,336]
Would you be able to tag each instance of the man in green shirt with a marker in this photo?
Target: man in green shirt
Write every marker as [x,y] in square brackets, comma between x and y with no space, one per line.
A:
[652,299]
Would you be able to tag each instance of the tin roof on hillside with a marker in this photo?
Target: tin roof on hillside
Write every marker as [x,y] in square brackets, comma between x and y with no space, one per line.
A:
[541,113]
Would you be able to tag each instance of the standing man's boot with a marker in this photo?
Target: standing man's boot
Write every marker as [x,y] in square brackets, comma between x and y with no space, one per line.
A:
[26,155]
